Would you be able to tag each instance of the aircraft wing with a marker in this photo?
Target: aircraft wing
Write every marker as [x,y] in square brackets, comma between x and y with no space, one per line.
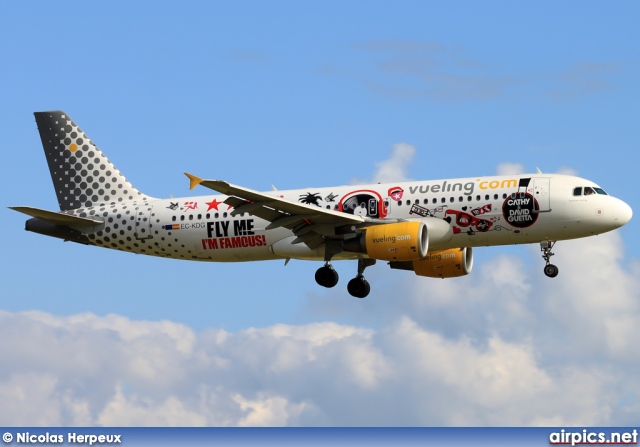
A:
[310,223]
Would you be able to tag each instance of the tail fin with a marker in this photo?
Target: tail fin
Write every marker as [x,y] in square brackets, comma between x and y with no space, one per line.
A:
[82,175]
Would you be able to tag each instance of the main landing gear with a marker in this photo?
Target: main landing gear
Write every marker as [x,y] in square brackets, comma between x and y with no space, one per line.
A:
[549,269]
[327,276]
[359,287]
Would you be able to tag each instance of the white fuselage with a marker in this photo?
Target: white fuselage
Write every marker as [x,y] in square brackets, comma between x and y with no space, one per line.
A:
[480,212]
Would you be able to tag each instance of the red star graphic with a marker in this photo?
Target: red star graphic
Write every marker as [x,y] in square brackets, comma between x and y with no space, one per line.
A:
[213,204]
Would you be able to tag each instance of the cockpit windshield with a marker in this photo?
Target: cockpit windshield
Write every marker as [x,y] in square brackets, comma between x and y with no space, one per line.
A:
[588,190]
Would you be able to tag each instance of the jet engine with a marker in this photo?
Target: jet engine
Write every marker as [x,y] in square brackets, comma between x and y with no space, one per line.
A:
[440,264]
[402,241]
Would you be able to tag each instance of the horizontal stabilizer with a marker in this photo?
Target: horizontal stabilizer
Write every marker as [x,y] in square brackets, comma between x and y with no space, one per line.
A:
[57,218]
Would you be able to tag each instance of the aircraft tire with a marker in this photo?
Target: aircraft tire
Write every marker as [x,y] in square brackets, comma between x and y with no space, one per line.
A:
[359,287]
[551,270]
[327,277]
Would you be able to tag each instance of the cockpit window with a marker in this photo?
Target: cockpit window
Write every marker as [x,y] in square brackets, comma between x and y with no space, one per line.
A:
[588,190]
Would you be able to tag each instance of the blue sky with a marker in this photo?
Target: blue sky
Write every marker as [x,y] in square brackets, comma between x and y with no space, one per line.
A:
[307,94]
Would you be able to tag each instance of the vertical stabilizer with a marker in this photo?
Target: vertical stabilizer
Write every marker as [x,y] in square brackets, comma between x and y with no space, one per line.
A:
[82,175]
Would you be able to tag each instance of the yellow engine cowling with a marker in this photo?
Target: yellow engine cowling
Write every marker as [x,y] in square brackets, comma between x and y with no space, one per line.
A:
[445,263]
[403,241]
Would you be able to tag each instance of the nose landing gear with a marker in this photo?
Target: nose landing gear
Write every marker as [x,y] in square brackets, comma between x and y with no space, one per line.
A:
[549,269]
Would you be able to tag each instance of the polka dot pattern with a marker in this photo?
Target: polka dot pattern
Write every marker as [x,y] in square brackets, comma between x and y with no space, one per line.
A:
[88,185]
[134,227]
[82,175]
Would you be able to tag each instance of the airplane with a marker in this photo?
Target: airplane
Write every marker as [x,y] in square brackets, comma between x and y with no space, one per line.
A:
[428,227]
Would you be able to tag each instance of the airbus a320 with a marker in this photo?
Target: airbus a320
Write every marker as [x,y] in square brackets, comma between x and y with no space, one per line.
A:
[428,227]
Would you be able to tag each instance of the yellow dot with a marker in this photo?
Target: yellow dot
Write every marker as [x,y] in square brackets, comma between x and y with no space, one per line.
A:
[73,147]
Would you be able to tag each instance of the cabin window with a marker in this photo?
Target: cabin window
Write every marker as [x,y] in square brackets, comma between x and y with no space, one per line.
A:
[208,216]
[190,216]
[443,200]
[426,201]
[460,199]
[469,198]
[417,202]
[495,197]
[577,191]
[173,218]
[434,201]
[504,196]
[408,202]
[199,216]
[182,217]
[486,197]
[451,199]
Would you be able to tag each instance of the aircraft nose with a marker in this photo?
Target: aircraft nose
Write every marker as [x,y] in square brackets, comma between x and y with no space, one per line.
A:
[623,213]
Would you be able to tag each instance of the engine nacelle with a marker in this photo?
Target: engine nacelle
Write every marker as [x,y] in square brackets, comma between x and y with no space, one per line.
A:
[441,264]
[402,241]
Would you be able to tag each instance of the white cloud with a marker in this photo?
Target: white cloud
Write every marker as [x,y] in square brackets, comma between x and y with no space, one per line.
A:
[145,411]
[408,69]
[267,411]
[393,169]
[115,371]
[503,346]
[510,168]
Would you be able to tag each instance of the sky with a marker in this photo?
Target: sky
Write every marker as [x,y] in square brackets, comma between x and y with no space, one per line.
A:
[310,94]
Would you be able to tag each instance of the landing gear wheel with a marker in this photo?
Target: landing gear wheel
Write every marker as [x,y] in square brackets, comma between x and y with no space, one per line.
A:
[326,276]
[551,270]
[359,287]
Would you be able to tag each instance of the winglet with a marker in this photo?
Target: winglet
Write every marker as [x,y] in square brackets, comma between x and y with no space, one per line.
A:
[193,180]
